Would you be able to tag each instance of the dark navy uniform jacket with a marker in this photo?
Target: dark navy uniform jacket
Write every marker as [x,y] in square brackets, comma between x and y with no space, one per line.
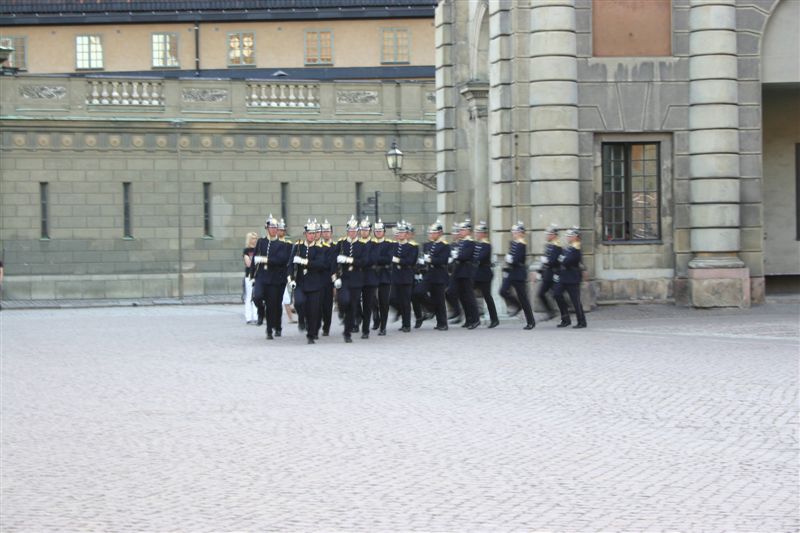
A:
[570,262]
[403,271]
[550,264]
[329,253]
[482,256]
[311,277]
[352,273]
[382,252]
[277,253]
[439,252]
[464,266]
[370,275]
[516,270]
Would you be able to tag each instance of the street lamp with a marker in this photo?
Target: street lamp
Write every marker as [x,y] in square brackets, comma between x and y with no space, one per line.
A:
[394,160]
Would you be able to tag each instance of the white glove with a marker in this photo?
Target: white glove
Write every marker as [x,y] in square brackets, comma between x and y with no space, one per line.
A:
[297,260]
[556,278]
[450,260]
[348,260]
[341,259]
[260,259]
[545,259]
[292,284]
[509,258]
[427,258]
[337,284]
[454,253]
[421,261]
[561,258]
[395,259]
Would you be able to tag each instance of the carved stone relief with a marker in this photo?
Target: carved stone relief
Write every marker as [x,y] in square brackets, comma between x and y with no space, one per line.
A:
[360,97]
[43,92]
[196,94]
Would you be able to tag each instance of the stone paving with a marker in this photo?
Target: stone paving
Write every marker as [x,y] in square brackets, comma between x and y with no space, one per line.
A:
[182,418]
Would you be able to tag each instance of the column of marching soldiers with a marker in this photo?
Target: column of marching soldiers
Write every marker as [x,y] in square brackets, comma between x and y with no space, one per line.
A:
[367,273]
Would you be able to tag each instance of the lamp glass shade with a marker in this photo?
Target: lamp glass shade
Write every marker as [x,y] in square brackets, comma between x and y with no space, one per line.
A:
[394,158]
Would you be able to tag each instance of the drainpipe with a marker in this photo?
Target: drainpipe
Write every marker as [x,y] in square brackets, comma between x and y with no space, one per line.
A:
[197,48]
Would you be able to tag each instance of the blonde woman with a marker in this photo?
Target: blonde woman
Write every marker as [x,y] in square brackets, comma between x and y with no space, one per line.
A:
[250,313]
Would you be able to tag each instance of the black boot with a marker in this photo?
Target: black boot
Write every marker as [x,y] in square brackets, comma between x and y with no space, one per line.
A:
[564,323]
[494,323]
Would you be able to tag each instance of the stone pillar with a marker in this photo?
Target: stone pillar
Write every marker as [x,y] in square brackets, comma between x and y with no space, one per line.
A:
[477,94]
[554,169]
[717,277]
[445,111]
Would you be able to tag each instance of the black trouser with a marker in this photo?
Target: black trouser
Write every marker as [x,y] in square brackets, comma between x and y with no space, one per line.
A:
[452,297]
[545,285]
[402,295]
[311,304]
[268,297]
[279,318]
[383,305]
[348,303]
[574,291]
[326,301]
[367,300]
[433,299]
[466,296]
[415,302]
[520,300]
[485,288]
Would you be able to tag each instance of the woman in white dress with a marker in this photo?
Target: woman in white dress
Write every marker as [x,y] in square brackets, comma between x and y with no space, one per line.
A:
[250,313]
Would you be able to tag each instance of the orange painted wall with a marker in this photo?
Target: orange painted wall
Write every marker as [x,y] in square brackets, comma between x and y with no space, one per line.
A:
[631,28]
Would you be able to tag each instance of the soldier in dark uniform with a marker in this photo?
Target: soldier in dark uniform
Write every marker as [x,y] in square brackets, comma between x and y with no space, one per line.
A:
[403,261]
[419,288]
[288,244]
[350,259]
[309,272]
[451,294]
[369,276]
[436,254]
[568,279]
[515,275]
[326,296]
[482,256]
[270,257]
[549,263]
[382,252]
[462,256]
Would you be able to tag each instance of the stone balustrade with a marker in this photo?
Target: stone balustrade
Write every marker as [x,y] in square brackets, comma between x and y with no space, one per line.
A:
[283,95]
[192,98]
[122,92]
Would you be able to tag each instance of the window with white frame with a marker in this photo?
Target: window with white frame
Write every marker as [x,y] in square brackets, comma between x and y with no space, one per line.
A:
[241,49]
[165,50]
[395,47]
[89,52]
[17,58]
[319,47]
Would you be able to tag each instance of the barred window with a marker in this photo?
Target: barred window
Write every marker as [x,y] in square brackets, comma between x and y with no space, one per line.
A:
[44,219]
[241,49]
[395,46]
[89,52]
[319,47]
[165,50]
[17,59]
[631,197]
[207,209]
[127,231]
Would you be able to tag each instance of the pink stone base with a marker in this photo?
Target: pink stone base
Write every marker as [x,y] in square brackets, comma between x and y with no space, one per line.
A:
[719,287]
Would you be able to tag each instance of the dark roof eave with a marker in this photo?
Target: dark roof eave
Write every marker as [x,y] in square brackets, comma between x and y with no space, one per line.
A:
[217,16]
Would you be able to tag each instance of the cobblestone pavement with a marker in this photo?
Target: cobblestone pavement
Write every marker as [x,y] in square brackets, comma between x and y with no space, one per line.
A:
[184,419]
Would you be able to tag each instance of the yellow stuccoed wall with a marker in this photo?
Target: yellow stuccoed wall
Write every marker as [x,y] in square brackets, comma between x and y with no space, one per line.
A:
[127,47]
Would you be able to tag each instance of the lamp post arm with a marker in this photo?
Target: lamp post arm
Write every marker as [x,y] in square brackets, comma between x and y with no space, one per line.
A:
[423,178]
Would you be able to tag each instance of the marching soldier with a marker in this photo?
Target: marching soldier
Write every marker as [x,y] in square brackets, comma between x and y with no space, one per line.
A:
[482,256]
[270,257]
[326,296]
[419,287]
[403,261]
[451,294]
[289,245]
[461,254]
[515,275]
[382,251]
[350,259]
[369,274]
[309,272]
[436,253]
[568,279]
[549,263]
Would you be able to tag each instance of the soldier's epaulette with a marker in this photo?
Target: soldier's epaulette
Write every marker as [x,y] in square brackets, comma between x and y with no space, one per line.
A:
[341,239]
[521,241]
[413,243]
[390,240]
[467,238]
[487,241]
[444,241]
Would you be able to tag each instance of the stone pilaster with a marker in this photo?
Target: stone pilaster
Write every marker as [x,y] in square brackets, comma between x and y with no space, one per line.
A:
[717,277]
[476,94]
[553,113]
[445,110]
